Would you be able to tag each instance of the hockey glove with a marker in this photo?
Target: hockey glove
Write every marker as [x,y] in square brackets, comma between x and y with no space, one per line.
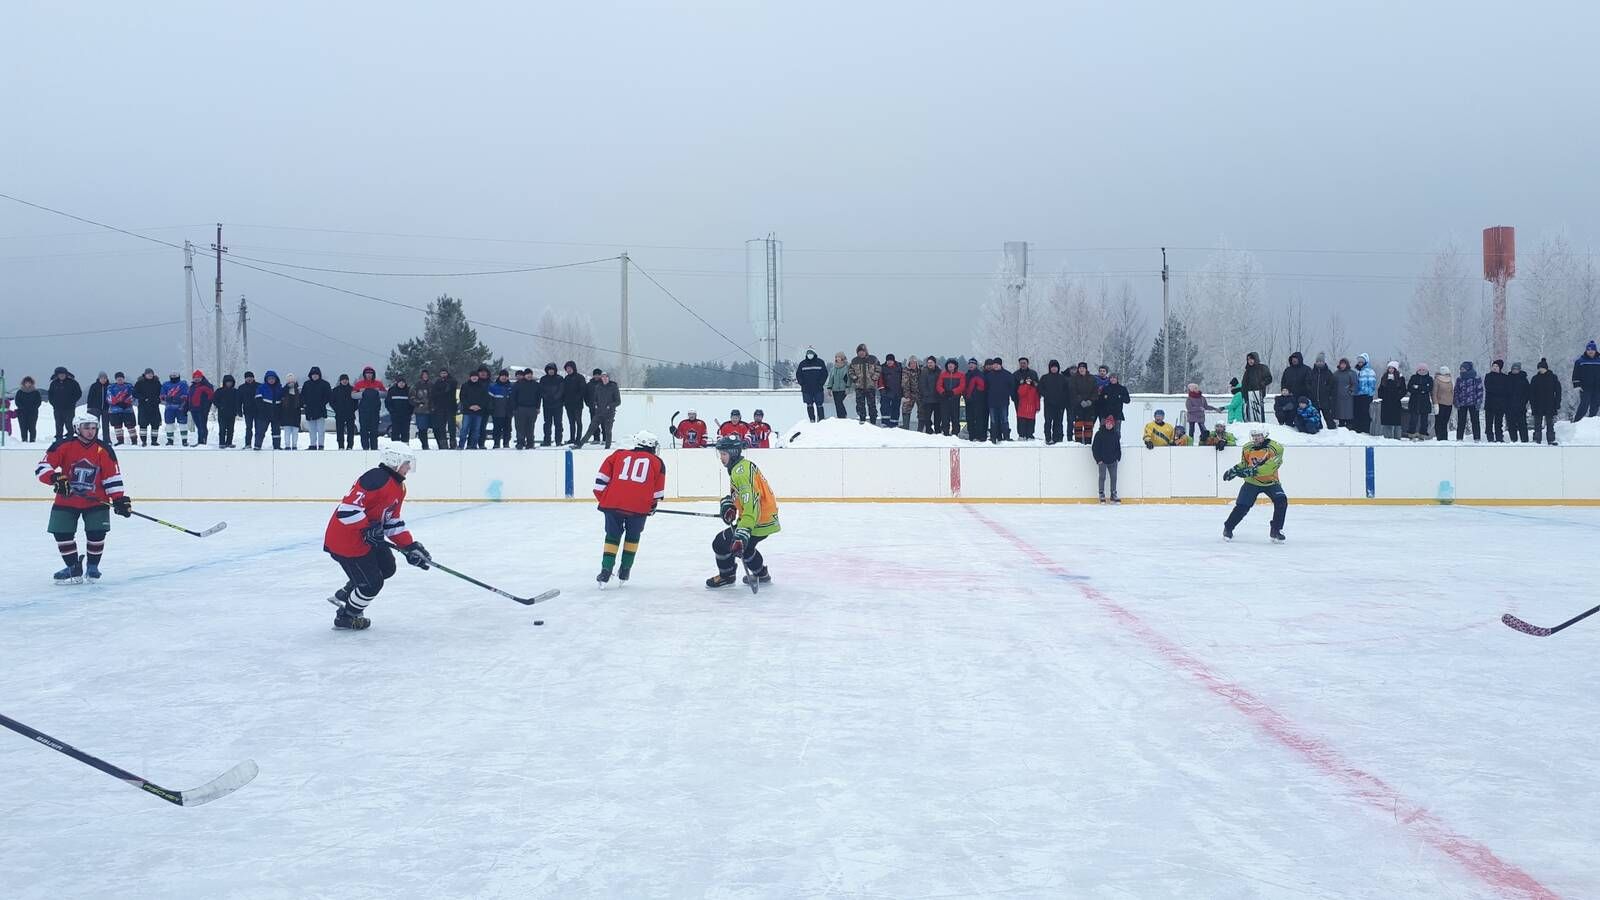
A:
[61,484]
[1248,471]
[728,511]
[373,534]
[1231,474]
[1149,446]
[741,537]
[417,555]
[1220,445]
[123,506]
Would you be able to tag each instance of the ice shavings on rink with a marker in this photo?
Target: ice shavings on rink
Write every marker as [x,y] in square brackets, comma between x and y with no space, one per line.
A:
[930,700]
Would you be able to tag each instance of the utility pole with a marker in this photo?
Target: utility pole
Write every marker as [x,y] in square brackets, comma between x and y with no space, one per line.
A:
[623,357]
[244,330]
[188,306]
[1166,343]
[217,372]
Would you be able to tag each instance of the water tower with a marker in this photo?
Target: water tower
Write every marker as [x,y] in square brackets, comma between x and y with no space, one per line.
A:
[1499,267]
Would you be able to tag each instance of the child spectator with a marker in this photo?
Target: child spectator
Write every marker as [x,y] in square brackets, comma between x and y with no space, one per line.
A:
[1027,405]
[1195,407]
[1307,419]
[1106,447]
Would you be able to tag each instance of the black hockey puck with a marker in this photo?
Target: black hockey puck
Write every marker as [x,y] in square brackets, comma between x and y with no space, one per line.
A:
[538,621]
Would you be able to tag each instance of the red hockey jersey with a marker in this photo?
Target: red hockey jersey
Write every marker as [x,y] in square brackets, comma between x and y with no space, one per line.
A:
[759,435]
[93,476]
[370,510]
[738,429]
[692,432]
[631,481]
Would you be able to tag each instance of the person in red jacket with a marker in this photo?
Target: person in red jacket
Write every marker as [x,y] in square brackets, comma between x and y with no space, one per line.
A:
[87,479]
[736,427]
[759,435]
[360,530]
[627,488]
[950,388]
[1027,395]
[691,431]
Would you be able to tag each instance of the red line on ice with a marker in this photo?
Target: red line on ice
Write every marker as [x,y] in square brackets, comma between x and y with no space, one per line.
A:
[1474,856]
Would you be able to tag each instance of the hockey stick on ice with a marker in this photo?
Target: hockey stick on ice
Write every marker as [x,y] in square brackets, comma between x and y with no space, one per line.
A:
[221,786]
[685,512]
[525,601]
[200,534]
[1537,631]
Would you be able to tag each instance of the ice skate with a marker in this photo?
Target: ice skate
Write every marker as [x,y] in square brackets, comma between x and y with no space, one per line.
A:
[72,574]
[721,581]
[92,572]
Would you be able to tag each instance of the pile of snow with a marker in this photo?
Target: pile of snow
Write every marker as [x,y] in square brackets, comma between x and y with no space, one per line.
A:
[1585,433]
[848,433]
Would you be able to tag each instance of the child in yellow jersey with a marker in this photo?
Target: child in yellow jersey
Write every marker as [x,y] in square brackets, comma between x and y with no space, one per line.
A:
[751,512]
[1259,461]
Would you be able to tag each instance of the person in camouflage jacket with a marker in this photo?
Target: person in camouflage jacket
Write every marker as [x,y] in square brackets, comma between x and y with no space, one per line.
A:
[864,373]
[910,390]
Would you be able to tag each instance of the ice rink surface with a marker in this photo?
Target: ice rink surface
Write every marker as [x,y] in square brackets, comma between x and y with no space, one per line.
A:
[931,701]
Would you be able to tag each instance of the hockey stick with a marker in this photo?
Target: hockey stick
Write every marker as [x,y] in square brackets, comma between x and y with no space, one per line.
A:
[525,601]
[200,534]
[1535,630]
[685,512]
[221,786]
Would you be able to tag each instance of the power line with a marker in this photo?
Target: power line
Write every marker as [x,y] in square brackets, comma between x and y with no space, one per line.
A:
[542,268]
[75,218]
[714,329]
[29,337]
[259,307]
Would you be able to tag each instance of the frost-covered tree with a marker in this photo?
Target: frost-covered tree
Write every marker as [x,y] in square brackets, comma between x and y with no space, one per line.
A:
[1126,329]
[1447,321]
[1016,318]
[1554,305]
[1221,308]
[1334,339]
[562,336]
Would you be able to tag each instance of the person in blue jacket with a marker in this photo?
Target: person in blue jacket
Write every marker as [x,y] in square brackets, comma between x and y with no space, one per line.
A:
[812,374]
[269,396]
[1001,386]
[1307,420]
[175,407]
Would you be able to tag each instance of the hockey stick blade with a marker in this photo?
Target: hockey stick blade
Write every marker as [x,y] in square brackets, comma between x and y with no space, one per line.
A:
[537,598]
[215,789]
[1538,631]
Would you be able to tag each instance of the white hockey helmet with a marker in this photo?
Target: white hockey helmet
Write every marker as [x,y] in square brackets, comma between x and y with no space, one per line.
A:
[81,420]
[1258,430]
[644,440]
[394,454]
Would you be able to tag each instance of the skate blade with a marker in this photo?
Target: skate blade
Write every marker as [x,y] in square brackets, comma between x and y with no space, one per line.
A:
[63,582]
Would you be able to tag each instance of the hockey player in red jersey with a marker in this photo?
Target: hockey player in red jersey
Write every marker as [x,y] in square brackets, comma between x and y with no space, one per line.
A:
[691,431]
[735,427]
[359,532]
[87,480]
[628,487]
[759,436]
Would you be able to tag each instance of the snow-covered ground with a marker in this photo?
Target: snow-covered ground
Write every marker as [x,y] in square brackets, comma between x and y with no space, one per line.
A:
[931,701]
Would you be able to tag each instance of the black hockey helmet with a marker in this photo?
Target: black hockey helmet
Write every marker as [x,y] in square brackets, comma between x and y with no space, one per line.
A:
[732,446]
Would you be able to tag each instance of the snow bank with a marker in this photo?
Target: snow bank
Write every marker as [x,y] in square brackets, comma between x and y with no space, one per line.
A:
[850,434]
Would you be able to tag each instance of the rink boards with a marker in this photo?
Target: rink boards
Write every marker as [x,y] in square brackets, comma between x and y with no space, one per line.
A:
[1508,474]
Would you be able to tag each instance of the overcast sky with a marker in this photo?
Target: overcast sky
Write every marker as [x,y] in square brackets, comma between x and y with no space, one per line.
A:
[893,147]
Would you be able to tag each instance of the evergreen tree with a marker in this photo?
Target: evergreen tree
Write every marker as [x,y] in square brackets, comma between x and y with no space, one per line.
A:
[709,374]
[1185,360]
[447,341]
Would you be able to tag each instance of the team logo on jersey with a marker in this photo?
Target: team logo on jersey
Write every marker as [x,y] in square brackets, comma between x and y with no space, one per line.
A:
[1256,456]
[83,476]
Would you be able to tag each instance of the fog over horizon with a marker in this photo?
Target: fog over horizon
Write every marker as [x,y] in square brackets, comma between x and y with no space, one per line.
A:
[893,148]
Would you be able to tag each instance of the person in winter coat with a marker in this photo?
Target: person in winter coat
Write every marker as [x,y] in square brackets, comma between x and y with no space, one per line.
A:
[1000,386]
[552,394]
[839,383]
[1544,396]
[527,398]
[315,393]
[474,410]
[1219,438]
[864,370]
[1586,380]
[1324,388]
[1296,376]
[1159,433]
[1517,391]
[1344,396]
[1444,399]
[398,403]
[1469,399]
[1391,395]
[759,435]
[929,419]
[607,397]
[1025,369]
[910,391]
[977,403]
[147,401]
[812,375]
[1366,389]
[1081,394]
[1308,420]
[1112,400]
[574,393]
[96,401]
[63,395]
[1053,396]
[1255,380]
[891,389]
[119,409]
[269,396]
[227,402]
[1106,447]
[1285,408]
[201,396]
[1494,401]
[1419,400]
[343,405]
[28,401]
[692,431]
[1194,409]
[249,404]
[1027,391]
[445,406]
[175,408]
[500,409]
[368,392]
[289,413]
[1102,377]
[950,388]
[422,406]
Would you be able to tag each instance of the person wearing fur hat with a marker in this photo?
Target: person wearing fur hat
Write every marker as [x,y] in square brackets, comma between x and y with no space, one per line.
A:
[1496,393]
[1419,402]
[289,413]
[1517,390]
[1469,399]
[864,371]
[1391,395]
[1586,378]
[1544,396]
[1444,398]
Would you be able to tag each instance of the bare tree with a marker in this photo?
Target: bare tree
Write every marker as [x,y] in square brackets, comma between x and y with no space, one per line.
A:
[1335,337]
[1446,320]
[1554,302]
[566,335]
[1296,331]
[1077,323]
[1125,333]
[1221,307]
